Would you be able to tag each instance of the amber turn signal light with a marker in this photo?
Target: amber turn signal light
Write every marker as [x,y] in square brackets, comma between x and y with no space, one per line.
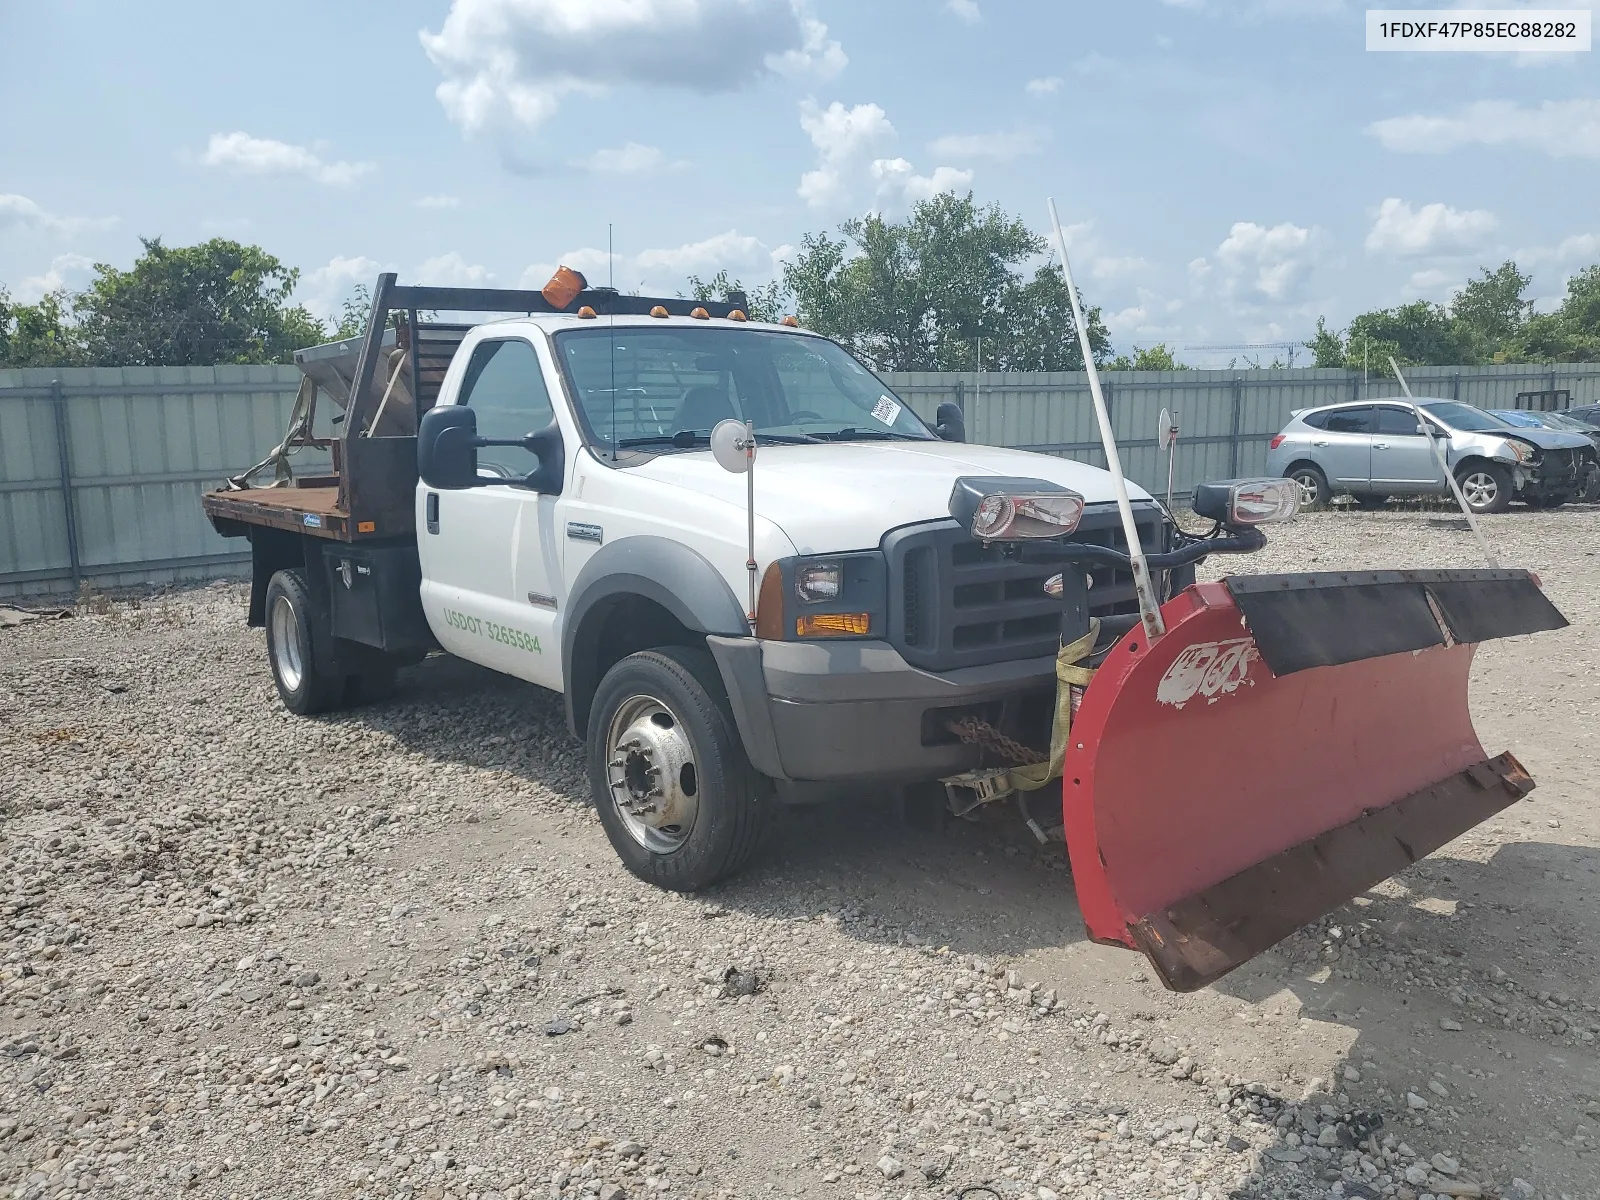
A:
[833,625]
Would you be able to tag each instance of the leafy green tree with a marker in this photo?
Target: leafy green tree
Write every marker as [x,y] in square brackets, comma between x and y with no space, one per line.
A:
[1159,357]
[354,313]
[924,293]
[1326,346]
[764,303]
[1490,310]
[1572,332]
[39,335]
[217,302]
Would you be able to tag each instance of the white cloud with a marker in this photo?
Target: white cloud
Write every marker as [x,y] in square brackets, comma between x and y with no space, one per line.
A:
[967,10]
[1002,146]
[1047,86]
[518,59]
[844,138]
[1257,264]
[630,158]
[1559,128]
[20,213]
[899,184]
[265,156]
[439,202]
[451,270]
[325,289]
[1433,229]
[65,270]
[733,250]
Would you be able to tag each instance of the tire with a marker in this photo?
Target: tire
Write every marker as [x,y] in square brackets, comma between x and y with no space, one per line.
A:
[1486,487]
[671,700]
[295,627]
[1371,503]
[1314,490]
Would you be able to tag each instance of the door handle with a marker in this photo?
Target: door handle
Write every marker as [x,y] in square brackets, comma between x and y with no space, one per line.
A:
[433,512]
[1380,445]
[1323,442]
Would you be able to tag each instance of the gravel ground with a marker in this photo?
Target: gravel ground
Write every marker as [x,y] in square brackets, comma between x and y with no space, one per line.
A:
[389,953]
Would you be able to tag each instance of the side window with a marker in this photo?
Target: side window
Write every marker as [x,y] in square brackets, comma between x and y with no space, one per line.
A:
[1349,420]
[1317,420]
[1397,422]
[505,387]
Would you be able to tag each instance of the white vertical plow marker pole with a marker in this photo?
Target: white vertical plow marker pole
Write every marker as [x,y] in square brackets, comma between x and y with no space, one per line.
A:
[1438,457]
[1149,610]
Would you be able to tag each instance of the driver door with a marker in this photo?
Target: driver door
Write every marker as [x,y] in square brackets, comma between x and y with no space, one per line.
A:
[489,567]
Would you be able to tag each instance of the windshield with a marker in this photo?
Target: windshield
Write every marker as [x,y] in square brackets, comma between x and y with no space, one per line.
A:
[1520,419]
[667,388]
[1464,417]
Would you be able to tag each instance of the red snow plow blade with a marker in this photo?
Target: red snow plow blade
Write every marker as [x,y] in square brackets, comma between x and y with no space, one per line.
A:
[1290,741]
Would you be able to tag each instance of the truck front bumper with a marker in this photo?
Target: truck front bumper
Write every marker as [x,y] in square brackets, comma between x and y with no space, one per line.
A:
[857,711]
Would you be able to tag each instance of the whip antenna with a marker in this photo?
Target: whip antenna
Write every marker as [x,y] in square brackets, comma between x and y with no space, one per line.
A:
[1149,610]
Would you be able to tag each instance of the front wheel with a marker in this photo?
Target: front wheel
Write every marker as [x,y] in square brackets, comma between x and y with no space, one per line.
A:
[1313,484]
[675,792]
[1485,486]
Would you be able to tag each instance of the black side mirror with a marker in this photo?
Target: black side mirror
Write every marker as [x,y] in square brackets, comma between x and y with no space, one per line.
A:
[447,448]
[551,449]
[952,426]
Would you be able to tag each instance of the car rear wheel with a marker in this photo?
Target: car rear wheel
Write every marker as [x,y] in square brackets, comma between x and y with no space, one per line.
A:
[1313,484]
[1486,487]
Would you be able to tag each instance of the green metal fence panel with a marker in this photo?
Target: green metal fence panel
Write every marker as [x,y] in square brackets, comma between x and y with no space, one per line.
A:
[102,469]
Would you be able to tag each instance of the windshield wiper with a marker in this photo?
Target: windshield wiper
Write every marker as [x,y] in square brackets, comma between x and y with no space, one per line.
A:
[852,434]
[684,439]
[788,439]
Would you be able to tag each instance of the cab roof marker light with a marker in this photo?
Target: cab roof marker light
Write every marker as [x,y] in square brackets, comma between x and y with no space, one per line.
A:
[700,314]
[738,314]
[660,312]
[586,313]
[792,321]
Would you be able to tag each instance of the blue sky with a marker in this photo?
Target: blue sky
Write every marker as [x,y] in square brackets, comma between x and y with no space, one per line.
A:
[1230,169]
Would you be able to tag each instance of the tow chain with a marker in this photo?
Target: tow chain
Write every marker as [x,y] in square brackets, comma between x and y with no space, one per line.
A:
[984,735]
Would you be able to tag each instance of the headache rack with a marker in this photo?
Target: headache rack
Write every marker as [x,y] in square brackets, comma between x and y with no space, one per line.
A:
[384,381]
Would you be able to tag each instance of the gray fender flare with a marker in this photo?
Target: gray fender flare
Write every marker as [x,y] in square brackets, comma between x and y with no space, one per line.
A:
[684,583]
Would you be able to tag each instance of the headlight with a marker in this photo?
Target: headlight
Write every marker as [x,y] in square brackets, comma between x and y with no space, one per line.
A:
[1248,501]
[1001,517]
[817,583]
[1523,451]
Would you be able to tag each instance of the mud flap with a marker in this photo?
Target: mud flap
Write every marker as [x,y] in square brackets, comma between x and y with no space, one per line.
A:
[1243,776]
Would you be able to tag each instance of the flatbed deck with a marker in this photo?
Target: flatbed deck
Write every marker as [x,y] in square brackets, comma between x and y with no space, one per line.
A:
[310,510]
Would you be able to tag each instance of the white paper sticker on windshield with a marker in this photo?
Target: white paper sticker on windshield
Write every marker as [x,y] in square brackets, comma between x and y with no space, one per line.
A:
[886,410]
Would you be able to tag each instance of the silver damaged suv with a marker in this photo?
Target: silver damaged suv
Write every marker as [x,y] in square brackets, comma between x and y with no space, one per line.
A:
[1376,449]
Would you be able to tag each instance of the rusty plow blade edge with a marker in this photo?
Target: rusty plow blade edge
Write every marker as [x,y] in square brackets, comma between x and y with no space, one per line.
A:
[1202,937]
[1243,776]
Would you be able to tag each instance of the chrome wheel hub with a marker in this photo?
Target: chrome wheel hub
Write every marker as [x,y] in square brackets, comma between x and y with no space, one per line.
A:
[1308,490]
[652,775]
[288,656]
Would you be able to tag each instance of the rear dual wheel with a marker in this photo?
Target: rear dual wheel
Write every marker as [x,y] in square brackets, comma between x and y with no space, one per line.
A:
[297,629]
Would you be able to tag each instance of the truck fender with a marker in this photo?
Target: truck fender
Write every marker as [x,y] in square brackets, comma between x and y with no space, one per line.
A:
[665,572]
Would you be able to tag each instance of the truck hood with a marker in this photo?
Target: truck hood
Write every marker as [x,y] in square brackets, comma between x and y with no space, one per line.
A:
[847,495]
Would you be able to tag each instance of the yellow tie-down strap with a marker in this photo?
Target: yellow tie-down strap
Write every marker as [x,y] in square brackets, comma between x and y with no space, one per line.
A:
[1068,675]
